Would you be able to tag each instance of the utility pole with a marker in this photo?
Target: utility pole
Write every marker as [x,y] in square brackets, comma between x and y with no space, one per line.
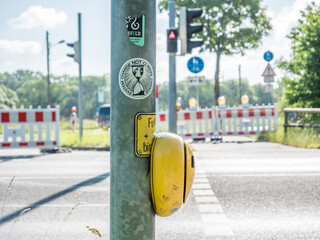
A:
[172,74]
[133,54]
[240,83]
[48,68]
[80,78]
[48,65]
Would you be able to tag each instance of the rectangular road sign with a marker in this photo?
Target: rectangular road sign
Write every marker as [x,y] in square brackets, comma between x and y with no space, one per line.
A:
[268,79]
[145,128]
[269,87]
[196,81]
[101,94]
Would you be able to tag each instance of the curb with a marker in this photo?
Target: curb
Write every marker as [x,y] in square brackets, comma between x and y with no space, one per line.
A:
[87,148]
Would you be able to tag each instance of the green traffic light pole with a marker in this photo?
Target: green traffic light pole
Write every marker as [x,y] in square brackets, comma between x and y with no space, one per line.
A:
[172,73]
[80,78]
[131,211]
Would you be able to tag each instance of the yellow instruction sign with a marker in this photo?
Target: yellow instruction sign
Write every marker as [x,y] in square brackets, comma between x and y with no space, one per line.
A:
[145,127]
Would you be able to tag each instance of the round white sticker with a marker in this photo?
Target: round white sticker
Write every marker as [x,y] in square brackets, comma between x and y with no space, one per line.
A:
[136,78]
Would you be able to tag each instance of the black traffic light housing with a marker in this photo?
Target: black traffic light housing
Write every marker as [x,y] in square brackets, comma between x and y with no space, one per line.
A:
[187,28]
[74,55]
[172,37]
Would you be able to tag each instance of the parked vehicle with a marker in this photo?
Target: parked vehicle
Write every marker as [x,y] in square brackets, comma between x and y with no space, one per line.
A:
[103,115]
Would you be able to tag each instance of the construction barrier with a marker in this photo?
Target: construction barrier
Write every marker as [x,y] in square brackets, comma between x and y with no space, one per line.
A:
[29,128]
[254,120]
[215,122]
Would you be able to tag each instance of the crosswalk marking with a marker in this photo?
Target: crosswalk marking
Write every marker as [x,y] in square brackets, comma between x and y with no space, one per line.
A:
[215,221]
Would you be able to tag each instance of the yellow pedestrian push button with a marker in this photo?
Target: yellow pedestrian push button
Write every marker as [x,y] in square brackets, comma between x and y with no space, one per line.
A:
[172,172]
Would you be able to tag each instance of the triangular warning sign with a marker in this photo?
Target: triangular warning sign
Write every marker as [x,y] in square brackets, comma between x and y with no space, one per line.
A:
[268,72]
[172,35]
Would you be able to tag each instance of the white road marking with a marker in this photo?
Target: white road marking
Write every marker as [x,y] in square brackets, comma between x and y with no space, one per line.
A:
[201,186]
[206,199]
[215,221]
[203,192]
[201,180]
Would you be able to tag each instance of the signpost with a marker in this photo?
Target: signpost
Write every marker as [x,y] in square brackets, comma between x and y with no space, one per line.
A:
[133,92]
[269,87]
[268,74]
[196,81]
[100,94]
[268,56]
[195,65]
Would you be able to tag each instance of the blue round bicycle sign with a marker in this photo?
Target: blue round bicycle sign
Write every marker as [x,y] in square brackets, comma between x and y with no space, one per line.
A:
[268,56]
[195,64]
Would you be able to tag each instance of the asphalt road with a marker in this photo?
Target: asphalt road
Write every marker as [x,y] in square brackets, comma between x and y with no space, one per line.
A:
[242,190]
[267,191]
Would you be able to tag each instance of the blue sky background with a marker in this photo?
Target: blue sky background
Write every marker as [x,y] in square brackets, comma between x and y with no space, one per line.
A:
[22,39]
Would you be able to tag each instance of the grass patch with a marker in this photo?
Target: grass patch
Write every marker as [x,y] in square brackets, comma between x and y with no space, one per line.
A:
[93,135]
[297,137]
[90,138]
[88,124]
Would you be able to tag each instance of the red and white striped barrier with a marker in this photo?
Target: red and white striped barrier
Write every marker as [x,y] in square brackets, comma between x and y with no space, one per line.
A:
[238,121]
[214,122]
[191,123]
[24,128]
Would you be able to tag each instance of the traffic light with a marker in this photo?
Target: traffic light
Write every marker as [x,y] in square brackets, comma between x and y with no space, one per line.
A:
[74,55]
[187,28]
[172,36]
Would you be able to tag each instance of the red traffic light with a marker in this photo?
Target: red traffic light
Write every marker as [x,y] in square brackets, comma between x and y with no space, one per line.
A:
[172,35]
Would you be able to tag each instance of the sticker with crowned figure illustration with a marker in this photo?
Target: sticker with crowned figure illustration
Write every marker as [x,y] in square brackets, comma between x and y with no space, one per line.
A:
[135,28]
[136,78]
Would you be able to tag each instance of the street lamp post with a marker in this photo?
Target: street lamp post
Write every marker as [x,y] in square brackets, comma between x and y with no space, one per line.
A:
[48,64]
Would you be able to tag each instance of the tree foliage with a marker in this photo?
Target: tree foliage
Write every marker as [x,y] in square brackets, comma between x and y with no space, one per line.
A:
[229,89]
[230,27]
[303,70]
[8,98]
[25,88]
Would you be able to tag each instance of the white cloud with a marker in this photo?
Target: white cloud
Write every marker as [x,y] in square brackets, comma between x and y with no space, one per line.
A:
[9,64]
[37,16]
[19,47]
[282,25]
[253,64]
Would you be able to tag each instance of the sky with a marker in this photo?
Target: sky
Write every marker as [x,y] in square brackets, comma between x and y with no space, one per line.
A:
[23,26]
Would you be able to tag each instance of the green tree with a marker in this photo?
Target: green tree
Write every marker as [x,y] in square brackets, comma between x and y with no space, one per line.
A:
[8,98]
[229,89]
[64,94]
[90,86]
[230,27]
[303,70]
[33,93]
